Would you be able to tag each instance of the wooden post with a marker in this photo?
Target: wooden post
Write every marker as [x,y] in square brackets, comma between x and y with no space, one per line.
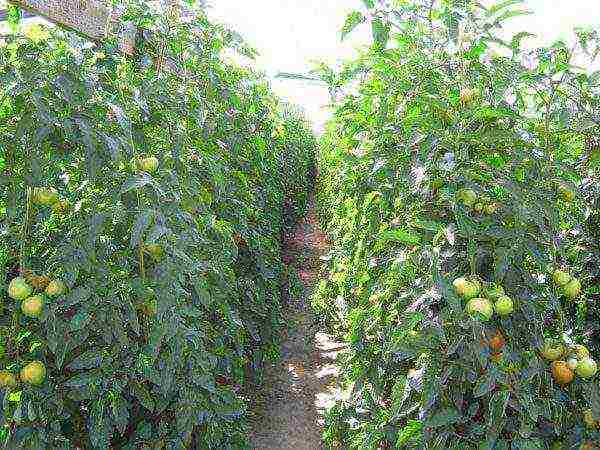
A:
[94,19]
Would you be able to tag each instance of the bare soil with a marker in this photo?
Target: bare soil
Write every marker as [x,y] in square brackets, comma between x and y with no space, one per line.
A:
[288,410]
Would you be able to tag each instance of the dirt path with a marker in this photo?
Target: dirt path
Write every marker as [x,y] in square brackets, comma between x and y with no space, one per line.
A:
[302,384]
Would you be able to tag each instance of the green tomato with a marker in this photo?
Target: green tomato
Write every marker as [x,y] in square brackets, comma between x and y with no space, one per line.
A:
[467,196]
[45,196]
[56,288]
[7,379]
[149,164]
[552,350]
[572,362]
[504,305]
[33,373]
[572,289]
[33,306]
[491,208]
[472,289]
[561,277]
[459,285]
[481,308]
[586,368]
[18,289]
[566,194]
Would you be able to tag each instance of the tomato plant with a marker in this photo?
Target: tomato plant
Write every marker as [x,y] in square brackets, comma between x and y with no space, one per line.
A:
[142,202]
[442,116]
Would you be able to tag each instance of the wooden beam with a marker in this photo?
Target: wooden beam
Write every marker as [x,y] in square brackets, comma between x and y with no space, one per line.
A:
[95,20]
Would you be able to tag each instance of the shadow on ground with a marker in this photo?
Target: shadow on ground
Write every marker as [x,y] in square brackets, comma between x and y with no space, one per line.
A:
[298,388]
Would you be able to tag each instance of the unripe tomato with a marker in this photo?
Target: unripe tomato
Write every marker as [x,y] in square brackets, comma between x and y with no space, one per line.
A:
[61,207]
[581,351]
[560,277]
[586,368]
[561,373]
[7,379]
[480,308]
[18,289]
[467,196]
[33,373]
[45,196]
[572,289]
[552,350]
[459,285]
[504,305]
[472,289]
[149,164]
[155,251]
[56,288]
[33,306]
[491,208]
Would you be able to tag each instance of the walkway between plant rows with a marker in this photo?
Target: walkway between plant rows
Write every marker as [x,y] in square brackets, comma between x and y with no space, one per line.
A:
[288,413]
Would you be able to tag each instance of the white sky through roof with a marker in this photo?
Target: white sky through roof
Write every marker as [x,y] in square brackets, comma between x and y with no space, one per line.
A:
[289,34]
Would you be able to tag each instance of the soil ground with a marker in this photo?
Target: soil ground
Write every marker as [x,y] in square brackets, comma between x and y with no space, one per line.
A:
[288,410]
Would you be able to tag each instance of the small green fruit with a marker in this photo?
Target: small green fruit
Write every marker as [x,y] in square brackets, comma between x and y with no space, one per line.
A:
[18,289]
[504,305]
[56,288]
[33,306]
[467,196]
[572,289]
[490,208]
[155,251]
[45,196]
[7,379]
[33,373]
[459,285]
[472,289]
[566,194]
[480,307]
[581,351]
[149,164]
[586,368]
[552,350]
[588,419]
[572,363]
[561,277]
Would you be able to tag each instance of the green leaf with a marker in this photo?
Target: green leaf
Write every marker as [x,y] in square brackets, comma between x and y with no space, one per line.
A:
[443,418]
[400,236]
[502,5]
[352,21]
[381,33]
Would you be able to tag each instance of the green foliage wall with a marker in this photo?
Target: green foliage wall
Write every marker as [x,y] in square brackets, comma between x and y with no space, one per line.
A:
[173,275]
[447,159]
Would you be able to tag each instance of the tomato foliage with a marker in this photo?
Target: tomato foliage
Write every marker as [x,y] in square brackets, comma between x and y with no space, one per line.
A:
[156,188]
[458,163]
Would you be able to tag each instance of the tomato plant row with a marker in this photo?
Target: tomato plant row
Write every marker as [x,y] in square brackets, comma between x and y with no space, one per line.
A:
[458,181]
[142,202]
